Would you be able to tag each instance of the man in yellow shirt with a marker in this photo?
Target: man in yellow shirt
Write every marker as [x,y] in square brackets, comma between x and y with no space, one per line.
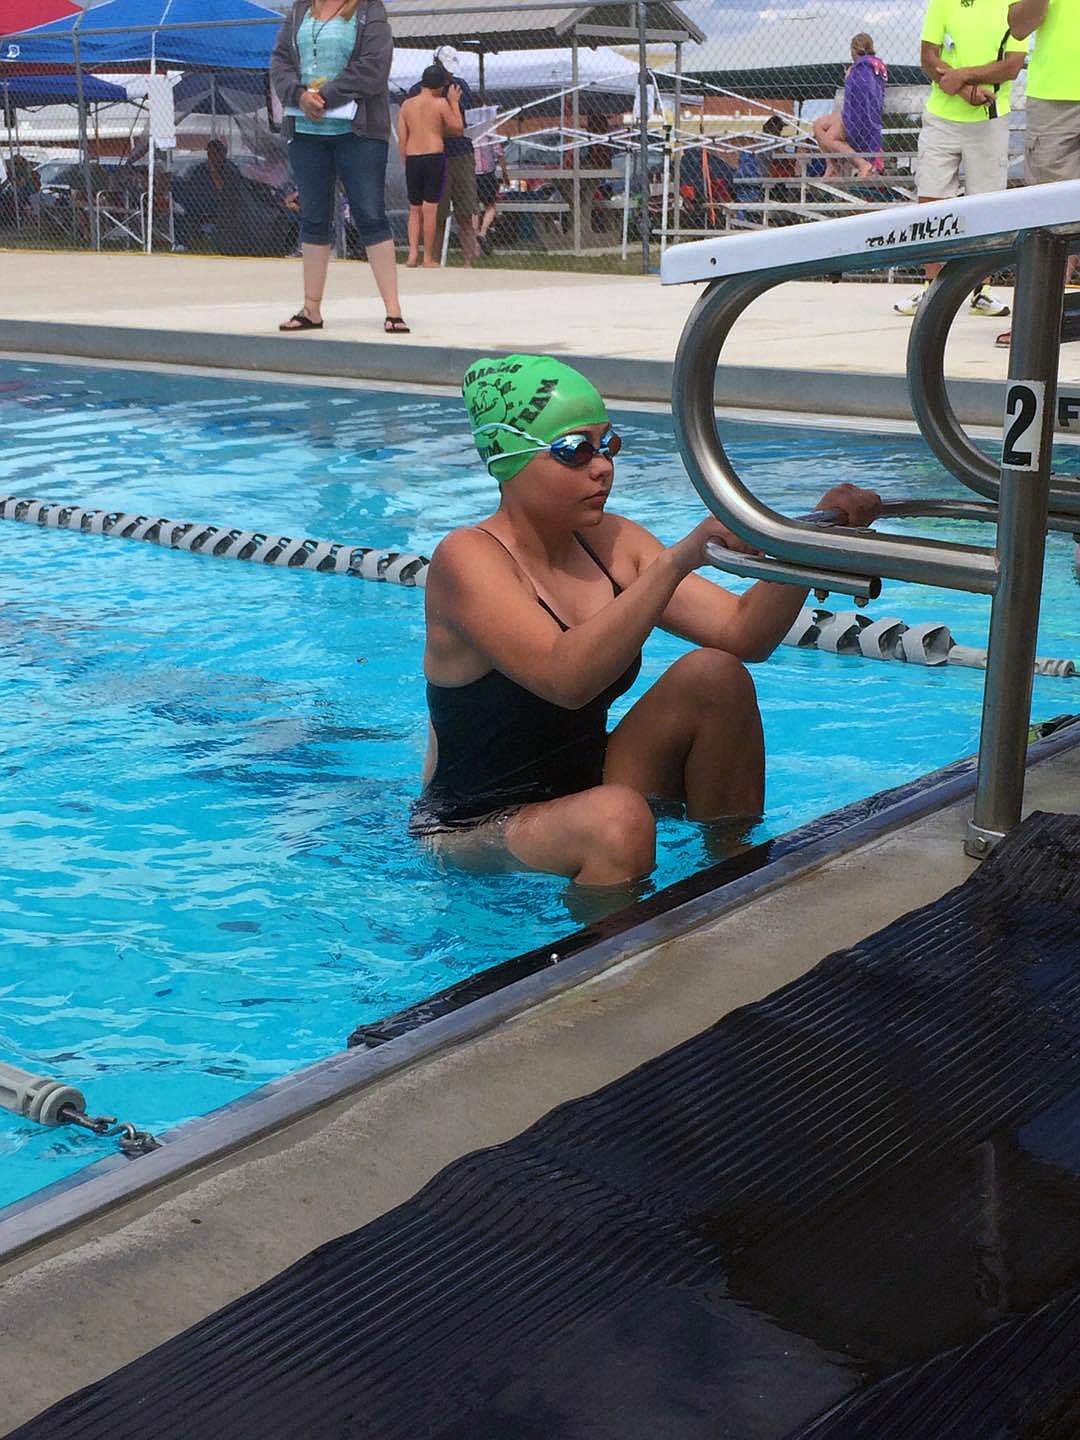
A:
[1052,151]
[1052,146]
[971,59]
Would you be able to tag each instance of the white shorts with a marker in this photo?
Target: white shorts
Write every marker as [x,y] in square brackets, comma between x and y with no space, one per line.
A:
[969,157]
[1052,151]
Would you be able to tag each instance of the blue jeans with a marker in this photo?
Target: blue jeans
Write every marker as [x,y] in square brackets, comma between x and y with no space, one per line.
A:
[317,162]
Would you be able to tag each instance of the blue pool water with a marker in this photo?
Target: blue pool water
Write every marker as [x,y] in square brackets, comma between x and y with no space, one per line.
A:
[207,765]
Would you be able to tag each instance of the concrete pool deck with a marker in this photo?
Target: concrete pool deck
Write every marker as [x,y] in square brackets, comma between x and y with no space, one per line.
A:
[817,347]
[110,1290]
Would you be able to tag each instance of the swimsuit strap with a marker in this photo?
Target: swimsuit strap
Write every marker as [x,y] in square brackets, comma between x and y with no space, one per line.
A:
[596,558]
[541,602]
[616,587]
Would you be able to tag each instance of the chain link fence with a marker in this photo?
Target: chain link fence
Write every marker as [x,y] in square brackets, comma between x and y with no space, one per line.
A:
[599,134]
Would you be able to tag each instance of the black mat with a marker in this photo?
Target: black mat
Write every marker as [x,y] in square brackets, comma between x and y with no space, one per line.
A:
[846,1205]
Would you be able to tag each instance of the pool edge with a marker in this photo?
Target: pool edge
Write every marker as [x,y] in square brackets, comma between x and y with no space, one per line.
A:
[110,1183]
[843,393]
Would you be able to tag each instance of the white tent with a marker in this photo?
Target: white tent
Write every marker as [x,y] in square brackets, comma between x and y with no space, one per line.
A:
[540,70]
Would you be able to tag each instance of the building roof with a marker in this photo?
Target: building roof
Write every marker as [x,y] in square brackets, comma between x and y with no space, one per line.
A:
[486,28]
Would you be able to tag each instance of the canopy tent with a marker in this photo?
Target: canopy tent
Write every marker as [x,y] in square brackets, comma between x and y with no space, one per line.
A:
[26,91]
[448,22]
[236,35]
[506,77]
[220,92]
[121,32]
[19,15]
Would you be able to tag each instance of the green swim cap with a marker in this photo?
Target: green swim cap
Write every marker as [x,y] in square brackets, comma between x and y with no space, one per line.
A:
[533,393]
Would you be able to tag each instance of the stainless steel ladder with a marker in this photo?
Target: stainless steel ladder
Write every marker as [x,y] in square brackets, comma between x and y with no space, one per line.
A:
[1035,230]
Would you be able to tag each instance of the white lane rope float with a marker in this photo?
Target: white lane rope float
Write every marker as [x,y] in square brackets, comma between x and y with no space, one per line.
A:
[225,543]
[850,632]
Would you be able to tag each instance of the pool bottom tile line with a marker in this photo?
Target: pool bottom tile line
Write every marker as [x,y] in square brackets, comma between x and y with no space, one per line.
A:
[458,1015]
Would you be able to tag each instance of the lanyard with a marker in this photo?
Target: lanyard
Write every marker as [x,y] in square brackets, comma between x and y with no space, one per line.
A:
[317,27]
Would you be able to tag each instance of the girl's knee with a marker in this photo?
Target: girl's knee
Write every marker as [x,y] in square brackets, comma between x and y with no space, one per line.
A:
[620,825]
[709,674]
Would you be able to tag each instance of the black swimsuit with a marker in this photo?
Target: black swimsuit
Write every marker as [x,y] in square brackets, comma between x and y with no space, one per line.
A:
[501,747]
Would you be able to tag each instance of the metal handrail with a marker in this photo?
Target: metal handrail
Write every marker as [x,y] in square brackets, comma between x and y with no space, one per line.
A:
[930,401]
[808,551]
[940,509]
[804,554]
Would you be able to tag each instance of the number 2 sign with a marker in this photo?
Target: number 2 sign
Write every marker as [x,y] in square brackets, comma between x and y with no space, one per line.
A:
[1023,424]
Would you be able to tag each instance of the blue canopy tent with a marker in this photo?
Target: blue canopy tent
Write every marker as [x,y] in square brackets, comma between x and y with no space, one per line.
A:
[229,35]
[180,34]
[25,91]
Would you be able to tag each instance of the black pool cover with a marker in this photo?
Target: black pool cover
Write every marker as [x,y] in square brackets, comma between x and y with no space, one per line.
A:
[848,1211]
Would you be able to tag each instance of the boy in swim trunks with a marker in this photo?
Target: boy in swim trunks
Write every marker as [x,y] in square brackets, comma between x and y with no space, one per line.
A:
[424,122]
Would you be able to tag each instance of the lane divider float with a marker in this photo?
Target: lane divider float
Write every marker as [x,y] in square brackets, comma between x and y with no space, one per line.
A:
[849,632]
[225,543]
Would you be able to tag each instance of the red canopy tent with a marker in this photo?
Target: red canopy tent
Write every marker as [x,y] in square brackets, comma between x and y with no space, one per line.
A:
[17,15]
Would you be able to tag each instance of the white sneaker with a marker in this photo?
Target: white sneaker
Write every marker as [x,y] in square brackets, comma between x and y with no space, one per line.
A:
[910,305]
[984,303]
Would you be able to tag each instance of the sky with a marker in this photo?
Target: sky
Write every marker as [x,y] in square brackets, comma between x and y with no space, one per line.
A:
[784,34]
[802,33]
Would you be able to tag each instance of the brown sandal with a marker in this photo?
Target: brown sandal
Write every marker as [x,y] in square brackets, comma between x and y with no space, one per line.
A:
[395,325]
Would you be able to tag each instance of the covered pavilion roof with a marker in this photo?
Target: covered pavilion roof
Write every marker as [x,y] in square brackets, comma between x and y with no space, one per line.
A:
[487,28]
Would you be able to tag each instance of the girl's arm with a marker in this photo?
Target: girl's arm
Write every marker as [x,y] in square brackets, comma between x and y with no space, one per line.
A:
[751,625]
[475,591]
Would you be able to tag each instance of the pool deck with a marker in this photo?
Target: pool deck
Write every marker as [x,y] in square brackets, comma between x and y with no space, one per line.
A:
[108,1291]
[809,347]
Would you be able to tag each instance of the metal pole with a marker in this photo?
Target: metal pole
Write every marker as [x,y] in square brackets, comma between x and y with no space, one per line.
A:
[1025,488]
[664,191]
[575,121]
[643,135]
[9,120]
[676,179]
[482,86]
[627,170]
[84,151]
[153,147]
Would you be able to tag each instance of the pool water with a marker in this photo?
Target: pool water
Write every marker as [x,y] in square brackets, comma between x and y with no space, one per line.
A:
[205,877]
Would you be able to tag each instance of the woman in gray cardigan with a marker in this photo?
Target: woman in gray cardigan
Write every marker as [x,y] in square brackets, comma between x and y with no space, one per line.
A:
[331,70]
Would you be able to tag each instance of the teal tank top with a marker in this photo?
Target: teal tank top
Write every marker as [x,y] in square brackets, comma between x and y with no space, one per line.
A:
[325,49]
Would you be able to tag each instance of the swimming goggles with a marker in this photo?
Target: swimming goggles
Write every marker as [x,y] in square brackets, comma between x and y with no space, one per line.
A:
[573,451]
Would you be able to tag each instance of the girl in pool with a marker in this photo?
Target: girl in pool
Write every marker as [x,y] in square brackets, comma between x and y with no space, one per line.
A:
[535,621]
